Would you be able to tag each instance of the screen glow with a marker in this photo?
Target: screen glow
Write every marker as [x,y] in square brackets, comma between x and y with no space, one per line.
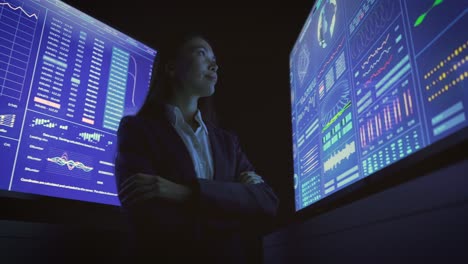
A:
[66,80]
[373,81]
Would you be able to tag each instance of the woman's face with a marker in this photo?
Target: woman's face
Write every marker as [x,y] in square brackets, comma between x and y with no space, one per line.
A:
[195,68]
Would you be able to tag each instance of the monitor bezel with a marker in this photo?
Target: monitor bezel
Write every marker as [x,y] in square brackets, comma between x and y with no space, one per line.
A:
[436,155]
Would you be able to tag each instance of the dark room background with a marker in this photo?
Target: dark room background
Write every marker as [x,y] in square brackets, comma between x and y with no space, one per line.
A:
[252,41]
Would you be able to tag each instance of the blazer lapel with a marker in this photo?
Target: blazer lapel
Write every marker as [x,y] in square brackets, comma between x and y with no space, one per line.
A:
[216,152]
[176,150]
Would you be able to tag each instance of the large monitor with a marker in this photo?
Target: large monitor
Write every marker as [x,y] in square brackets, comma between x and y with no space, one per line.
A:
[373,82]
[66,80]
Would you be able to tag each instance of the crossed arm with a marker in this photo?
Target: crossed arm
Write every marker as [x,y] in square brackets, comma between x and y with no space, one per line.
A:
[138,180]
[142,186]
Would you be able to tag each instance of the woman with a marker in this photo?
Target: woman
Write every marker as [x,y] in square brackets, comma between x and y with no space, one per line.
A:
[185,183]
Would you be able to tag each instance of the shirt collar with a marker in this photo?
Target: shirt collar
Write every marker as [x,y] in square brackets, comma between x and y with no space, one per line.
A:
[174,115]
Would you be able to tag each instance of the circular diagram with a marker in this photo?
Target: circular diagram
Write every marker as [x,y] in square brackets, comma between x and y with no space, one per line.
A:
[326,23]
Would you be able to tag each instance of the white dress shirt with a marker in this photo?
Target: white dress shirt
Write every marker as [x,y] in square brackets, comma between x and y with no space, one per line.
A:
[197,142]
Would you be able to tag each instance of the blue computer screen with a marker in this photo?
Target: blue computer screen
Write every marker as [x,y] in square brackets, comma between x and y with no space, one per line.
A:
[372,82]
[66,80]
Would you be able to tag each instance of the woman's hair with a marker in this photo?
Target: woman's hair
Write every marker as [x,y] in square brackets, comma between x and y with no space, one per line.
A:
[160,84]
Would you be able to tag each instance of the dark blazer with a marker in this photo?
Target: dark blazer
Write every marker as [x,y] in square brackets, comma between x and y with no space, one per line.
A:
[223,214]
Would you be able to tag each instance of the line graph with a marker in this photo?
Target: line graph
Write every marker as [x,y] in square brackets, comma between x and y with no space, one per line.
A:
[134,76]
[331,58]
[306,108]
[338,131]
[376,51]
[17,31]
[373,25]
[304,113]
[382,67]
[19,8]
[370,80]
[373,65]
[336,116]
[70,164]
[309,105]
[335,102]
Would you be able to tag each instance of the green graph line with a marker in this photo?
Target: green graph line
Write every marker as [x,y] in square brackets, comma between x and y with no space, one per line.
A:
[336,116]
[423,16]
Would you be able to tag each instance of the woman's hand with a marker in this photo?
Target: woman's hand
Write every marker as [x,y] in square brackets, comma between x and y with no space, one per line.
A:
[141,187]
[250,177]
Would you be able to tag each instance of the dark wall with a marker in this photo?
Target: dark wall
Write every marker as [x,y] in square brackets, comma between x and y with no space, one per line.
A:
[423,220]
[36,229]
[23,242]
